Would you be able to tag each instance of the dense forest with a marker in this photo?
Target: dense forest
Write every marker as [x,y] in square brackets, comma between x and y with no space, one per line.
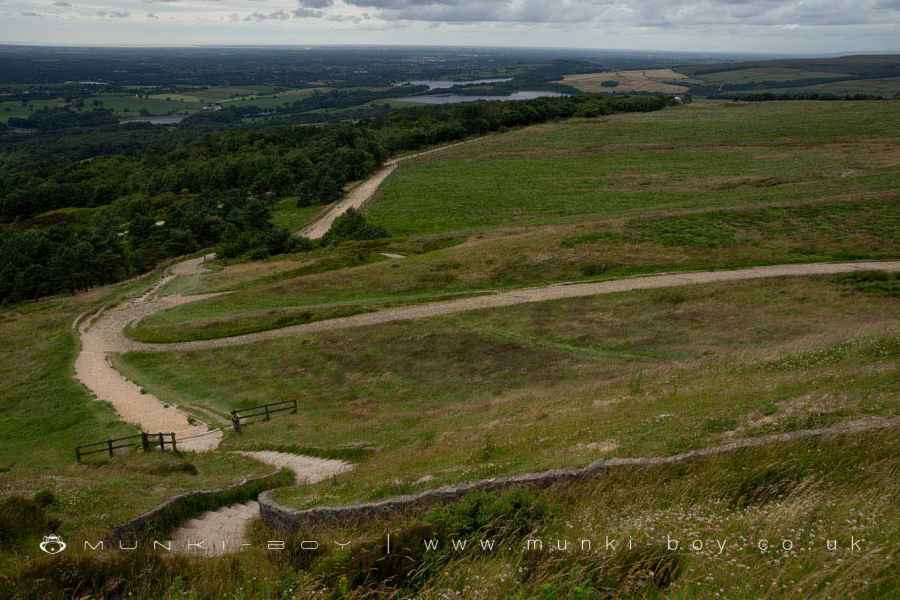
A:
[148,193]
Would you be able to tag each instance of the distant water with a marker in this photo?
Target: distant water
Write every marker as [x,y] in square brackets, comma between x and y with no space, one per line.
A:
[444,84]
[456,98]
[167,120]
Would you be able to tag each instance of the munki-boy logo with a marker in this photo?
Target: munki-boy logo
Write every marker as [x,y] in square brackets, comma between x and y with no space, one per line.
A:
[53,544]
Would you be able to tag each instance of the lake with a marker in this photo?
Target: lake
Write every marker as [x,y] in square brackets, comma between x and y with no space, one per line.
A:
[456,98]
[443,84]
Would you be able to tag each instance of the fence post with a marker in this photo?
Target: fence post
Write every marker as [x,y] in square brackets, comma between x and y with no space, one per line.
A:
[110,446]
[295,406]
[174,447]
[145,441]
[268,418]
[236,421]
[162,443]
[78,454]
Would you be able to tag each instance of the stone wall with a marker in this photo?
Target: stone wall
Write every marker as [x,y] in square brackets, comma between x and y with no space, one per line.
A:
[175,509]
[288,520]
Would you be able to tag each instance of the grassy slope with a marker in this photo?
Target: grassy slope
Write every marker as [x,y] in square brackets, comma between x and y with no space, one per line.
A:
[45,413]
[277,292]
[810,182]
[697,156]
[805,492]
[530,387]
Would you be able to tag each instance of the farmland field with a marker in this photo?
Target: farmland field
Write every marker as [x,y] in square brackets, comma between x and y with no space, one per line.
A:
[651,80]
[768,74]
[888,87]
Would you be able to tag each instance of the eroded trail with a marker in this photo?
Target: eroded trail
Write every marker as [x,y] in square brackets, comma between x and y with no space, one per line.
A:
[524,296]
[225,530]
[103,333]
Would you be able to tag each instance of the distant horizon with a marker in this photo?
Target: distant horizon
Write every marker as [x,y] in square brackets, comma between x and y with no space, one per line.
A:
[285,46]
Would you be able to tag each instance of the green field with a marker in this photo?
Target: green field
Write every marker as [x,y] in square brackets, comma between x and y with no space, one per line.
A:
[760,74]
[132,105]
[888,87]
[17,109]
[698,156]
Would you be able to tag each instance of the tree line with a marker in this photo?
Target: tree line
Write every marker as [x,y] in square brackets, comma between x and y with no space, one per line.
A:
[158,196]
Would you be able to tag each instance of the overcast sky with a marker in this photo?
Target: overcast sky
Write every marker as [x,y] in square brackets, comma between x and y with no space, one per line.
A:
[789,26]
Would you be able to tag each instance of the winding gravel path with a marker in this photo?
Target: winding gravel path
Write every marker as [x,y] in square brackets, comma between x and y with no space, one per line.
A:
[524,296]
[102,334]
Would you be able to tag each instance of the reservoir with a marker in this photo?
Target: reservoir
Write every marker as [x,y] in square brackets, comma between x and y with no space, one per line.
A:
[446,84]
[456,98]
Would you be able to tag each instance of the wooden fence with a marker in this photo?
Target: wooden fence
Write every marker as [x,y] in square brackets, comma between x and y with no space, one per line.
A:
[145,441]
[261,413]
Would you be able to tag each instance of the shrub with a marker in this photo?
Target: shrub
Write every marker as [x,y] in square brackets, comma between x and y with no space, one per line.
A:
[19,519]
[44,498]
[508,515]
[352,225]
[170,468]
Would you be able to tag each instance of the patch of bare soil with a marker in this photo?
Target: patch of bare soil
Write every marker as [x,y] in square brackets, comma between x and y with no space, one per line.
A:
[307,469]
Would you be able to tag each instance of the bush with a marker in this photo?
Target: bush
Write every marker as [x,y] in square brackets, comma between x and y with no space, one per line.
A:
[44,498]
[508,515]
[352,225]
[19,519]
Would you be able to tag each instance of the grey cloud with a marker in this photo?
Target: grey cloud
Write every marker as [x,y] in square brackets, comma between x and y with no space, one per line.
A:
[315,3]
[653,13]
[306,13]
[30,13]
[278,15]
[62,4]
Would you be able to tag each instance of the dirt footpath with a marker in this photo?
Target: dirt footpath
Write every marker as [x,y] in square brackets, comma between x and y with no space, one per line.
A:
[527,295]
[102,334]
[225,530]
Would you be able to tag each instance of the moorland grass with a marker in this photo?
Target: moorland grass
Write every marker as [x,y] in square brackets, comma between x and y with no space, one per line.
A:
[554,384]
[269,294]
[806,492]
[705,155]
